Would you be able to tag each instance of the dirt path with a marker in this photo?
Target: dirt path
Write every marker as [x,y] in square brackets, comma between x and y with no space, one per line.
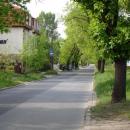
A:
[107,125]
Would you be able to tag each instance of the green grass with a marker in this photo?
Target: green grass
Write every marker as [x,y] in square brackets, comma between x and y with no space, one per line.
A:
[103,87]
[51,72]
[8,79]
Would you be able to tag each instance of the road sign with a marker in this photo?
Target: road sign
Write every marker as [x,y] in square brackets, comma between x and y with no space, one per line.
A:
[51,52]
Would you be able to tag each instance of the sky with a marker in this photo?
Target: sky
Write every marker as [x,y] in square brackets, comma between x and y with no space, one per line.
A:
[54,6]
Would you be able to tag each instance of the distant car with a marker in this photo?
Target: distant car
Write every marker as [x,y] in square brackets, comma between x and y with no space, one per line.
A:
[63,67]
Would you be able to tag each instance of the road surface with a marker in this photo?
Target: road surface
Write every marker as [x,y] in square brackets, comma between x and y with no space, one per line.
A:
[56,103]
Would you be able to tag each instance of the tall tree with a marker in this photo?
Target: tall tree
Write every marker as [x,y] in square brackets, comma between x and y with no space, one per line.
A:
[49,23]
[78,41]
[113,36]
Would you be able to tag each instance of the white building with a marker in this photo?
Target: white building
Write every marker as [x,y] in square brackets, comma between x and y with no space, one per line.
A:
[12,42]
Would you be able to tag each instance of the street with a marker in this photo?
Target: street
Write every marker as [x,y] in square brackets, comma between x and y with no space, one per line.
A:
[55,103]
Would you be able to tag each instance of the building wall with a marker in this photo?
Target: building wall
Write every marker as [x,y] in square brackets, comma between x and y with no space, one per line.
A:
[19,33]
[14,41]
[26,35]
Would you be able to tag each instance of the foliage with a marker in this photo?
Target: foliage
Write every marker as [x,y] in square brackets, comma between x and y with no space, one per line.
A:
[51,72]
[6,7]
[9,79]
[35,52]
[65,52]
[103,87]
[78,38]
[110,30]
[56,48]
[104,83]
[48,22]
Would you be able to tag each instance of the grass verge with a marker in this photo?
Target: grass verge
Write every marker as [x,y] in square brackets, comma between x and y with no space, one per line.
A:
[104,109]
[51,72]
[9,79]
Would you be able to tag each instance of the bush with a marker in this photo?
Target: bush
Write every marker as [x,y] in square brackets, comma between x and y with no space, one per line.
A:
[7,62]
[34,55]
[51,72]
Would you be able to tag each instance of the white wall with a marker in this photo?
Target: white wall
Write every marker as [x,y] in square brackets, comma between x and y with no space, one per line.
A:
[14,43]
[26,35]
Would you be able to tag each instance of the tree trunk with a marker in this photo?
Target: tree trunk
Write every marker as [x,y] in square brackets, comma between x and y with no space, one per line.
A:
[119,90]
[99,65]
[68,64]
[102,66]
[76,65]
[72,64]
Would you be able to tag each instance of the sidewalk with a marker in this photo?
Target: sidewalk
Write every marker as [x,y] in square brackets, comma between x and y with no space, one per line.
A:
[107,125]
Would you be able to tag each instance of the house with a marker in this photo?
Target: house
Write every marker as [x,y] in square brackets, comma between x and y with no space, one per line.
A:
[11,43]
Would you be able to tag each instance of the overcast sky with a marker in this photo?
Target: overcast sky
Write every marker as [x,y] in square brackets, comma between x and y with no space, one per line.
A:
[54,6]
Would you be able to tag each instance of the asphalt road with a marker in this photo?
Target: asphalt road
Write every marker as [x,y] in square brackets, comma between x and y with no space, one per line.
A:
[56,103]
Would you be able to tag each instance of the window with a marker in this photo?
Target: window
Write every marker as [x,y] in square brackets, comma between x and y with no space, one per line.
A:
[3,41]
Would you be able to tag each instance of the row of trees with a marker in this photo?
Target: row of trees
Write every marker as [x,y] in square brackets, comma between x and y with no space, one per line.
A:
[109,27]
[78,46]
[99,30]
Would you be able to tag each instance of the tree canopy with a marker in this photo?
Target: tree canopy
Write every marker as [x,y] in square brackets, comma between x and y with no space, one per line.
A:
[111,30]
[78,43]
[49,23]
[110,26]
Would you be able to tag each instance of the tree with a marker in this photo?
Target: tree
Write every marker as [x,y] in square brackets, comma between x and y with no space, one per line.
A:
[113,37]
[48,22]
[78,44]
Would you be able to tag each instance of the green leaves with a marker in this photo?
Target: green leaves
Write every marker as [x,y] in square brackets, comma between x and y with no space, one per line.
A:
[109,26]
[78,37]
[49,23]
[6,8]
[118,46]
[35,52]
